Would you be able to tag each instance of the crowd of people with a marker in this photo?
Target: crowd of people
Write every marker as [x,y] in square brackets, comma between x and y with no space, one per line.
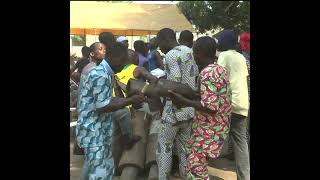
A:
[197,128]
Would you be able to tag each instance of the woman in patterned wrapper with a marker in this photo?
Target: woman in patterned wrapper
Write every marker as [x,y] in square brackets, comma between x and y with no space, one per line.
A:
[212,118]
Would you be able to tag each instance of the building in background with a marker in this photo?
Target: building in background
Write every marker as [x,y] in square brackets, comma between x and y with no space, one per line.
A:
[136,21]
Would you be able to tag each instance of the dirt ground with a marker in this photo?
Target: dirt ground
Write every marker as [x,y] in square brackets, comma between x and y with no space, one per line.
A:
[220,169]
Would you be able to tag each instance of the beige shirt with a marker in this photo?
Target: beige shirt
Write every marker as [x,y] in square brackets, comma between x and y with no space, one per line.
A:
[235,64]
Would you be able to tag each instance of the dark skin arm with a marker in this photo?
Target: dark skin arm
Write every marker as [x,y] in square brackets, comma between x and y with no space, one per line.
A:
[180,101]
[142,72]
[159,60]
[119,103]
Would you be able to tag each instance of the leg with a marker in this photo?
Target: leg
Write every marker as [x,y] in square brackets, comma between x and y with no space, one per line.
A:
[117,145]
[238,135]
[197,167]
[123,117]
[166,137]
[98,163]
[183,136]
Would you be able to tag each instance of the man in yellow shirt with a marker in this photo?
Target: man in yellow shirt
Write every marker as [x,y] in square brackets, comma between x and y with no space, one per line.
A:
[235,63]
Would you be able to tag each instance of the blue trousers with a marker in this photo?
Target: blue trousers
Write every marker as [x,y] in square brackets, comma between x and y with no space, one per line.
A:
[98,163]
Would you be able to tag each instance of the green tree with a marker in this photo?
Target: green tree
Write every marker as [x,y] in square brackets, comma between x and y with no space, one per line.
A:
[208,15]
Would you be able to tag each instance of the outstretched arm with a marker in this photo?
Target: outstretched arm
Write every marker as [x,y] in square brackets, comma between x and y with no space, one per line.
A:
[119,103]
[181,101]
[142,72]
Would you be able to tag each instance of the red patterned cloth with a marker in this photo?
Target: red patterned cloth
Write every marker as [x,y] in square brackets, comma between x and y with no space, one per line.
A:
[209,130]
[245,42]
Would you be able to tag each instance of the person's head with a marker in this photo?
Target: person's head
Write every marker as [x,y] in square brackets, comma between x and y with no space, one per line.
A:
[85,51]
[227,40]
[140,47]
[147,45]
[106,38]
[186,38]
[123,40]
[133,57]
[204,51]
[153,44]
[97,52]
[245,42]
[118,56]
[166,38]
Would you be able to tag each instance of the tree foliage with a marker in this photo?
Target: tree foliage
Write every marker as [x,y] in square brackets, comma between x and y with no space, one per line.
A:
[208,15]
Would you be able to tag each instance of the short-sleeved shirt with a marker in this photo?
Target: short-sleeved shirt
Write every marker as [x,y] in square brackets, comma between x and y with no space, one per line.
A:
[180,67]
[94,128]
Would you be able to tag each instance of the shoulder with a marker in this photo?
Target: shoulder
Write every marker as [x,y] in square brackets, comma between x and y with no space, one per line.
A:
[172,54]
[88,68]
[212,70]
[97,72]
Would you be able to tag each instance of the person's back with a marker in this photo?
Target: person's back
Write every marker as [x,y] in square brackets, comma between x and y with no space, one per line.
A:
[236,66]
[183,55]
[140,48]
[152,60]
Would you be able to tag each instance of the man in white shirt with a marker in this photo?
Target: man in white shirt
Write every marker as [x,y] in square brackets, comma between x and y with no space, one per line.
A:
[237,70]
[176,122]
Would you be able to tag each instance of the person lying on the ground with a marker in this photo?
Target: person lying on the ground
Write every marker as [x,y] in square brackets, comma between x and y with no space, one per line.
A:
[94,125]
[212,120]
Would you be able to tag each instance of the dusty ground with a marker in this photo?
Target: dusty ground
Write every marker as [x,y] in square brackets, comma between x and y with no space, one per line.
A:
[221,169]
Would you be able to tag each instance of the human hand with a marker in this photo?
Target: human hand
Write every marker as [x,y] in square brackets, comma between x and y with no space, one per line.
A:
[137,99]
[179,100]
[154,80]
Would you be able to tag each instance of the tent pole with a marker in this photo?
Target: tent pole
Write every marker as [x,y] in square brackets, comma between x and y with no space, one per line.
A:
[131,38]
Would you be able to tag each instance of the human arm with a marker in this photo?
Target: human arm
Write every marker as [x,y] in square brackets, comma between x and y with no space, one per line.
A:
[213,88]
[99,87]
[142,72]
[180,101]
[119,103]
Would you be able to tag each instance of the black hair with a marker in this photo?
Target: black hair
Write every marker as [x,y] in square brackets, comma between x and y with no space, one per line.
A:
[117,50]
[139,46]
[93,47]
[106,38]
[166,34]
[206,45]
[186,36]
[85,51]
[153,43]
